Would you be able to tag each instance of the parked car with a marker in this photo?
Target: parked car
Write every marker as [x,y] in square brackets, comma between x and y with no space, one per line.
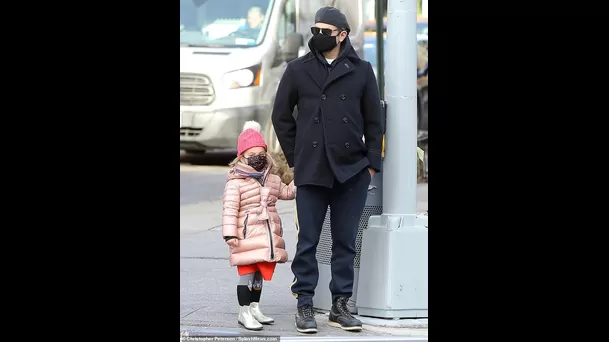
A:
[422,29]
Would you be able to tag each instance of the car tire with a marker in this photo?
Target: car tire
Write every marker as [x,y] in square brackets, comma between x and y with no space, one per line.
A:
[425,161]
[422,109]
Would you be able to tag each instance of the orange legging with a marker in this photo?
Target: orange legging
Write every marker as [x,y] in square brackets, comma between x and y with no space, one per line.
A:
[266,269]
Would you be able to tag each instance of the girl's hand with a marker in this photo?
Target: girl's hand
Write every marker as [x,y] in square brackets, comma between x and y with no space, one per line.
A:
[233,242]
[294,187]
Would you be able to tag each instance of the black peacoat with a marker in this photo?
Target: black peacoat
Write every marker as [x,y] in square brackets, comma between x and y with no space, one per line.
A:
[337,104]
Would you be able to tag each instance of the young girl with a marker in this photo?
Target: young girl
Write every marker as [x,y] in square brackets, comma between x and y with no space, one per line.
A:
[251,225]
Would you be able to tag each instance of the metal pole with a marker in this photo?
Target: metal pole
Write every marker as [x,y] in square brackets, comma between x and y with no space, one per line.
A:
[398,239]
[380,40]
[400,168]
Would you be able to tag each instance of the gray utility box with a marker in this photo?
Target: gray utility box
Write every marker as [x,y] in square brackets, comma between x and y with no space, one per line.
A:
[323,298]
[394,267]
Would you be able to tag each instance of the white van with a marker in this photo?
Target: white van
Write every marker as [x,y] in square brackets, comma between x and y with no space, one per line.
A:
[232,56]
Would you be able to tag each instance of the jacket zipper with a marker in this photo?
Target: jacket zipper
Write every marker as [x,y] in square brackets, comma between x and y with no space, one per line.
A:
[245,225]
[268,226]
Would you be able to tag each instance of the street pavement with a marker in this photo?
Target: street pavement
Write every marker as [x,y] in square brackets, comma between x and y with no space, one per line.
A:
[202,178]
[208,301]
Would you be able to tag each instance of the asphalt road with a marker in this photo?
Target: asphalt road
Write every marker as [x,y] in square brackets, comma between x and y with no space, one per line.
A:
[202,178]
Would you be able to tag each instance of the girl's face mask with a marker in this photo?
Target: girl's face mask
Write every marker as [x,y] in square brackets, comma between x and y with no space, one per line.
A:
[258,162]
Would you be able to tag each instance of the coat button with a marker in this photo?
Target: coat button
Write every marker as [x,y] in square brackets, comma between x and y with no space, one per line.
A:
[323,96]
[314,143]
[345,120]
[347,145]
[342,97]
[316,119]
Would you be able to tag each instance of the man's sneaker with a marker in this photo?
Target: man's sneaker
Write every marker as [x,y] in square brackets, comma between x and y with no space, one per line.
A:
[340,317]
[305,320]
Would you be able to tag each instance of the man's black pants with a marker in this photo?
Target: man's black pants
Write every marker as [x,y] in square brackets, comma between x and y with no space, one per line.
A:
[346,201]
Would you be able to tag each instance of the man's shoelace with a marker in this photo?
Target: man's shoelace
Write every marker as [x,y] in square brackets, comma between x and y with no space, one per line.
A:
[307,311]
[341,305]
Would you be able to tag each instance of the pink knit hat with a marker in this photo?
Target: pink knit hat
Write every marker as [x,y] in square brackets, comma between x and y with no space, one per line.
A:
[250,137]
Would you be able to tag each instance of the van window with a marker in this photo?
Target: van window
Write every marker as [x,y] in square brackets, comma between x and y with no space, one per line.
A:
[214,23]
[287,22]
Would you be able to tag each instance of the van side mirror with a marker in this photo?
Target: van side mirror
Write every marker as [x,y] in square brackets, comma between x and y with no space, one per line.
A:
[292,44]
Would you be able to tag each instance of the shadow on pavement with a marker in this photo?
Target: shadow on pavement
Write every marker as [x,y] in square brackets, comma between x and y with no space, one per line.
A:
[210,158]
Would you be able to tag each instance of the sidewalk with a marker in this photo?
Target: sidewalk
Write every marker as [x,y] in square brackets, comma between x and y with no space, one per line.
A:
[208,284]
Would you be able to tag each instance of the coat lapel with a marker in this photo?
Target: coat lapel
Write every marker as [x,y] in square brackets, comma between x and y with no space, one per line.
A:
[341,69]
[314,74]
[314,78]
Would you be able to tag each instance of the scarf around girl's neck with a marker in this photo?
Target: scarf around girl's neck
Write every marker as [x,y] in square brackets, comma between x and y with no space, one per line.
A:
[248,171]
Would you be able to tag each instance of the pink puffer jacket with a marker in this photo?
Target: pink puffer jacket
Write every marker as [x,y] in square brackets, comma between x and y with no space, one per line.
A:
[249,213]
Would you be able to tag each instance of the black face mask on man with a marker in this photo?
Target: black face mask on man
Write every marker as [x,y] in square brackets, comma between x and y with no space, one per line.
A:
[323,43]
[258,162]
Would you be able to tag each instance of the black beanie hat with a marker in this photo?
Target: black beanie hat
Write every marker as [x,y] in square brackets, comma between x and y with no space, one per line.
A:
[332,16]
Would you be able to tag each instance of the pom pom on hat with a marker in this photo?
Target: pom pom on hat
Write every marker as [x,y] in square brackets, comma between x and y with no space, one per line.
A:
[252,125]
[250,137]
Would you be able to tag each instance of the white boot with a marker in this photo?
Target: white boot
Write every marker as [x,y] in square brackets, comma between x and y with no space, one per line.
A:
[258,315]
[247,319]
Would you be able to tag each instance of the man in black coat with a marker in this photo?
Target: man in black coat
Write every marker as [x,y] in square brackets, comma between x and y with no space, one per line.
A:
[338,105]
